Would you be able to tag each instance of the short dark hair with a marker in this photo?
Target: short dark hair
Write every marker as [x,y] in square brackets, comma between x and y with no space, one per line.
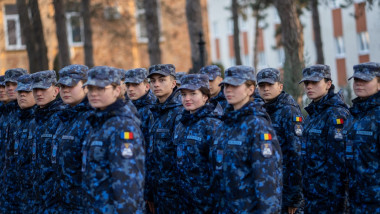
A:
[205,91]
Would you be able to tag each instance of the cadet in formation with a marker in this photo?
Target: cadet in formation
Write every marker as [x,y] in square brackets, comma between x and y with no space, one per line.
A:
[286,117]
[113,155]
[246,155]
[323,146]
[363,140]
[193,137]
[215,78]
[66,150]
[46,184]
[161,157]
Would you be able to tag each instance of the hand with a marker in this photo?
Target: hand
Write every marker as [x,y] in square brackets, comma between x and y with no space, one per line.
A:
[292,210]
[151,206]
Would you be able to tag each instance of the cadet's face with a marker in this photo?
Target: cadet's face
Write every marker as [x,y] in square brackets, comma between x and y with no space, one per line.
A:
[3,94]
[237,96]
[270,91]
[10,88]
[364,89]
[45,96]
[25,99]
[101,98]
[316,90]
[162,86]
[136,90]
[214,86]
[72,95]
[193,100]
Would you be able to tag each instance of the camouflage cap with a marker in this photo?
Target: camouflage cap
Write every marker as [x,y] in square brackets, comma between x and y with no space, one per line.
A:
[101,76]
[212,71]
[194,81]
[316,73]
[137,75]
[163,69]
[44,79]
[72,74]
[366,71]
[178,76]
[122,73]
[269,75]
[11,75]
[2,80]
[237,75]
[24,83]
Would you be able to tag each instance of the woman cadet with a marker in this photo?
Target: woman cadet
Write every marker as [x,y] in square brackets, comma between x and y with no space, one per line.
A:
[194,136]
[113,152]
[363,140]
[322,149]
[246,156]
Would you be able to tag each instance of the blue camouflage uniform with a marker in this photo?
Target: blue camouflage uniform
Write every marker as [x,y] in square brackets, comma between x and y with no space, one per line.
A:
[246,156]
[323,165]
[113,155]
[286,118]
[67,143]
[46,180]
[9,117]
[363,146]
[193,137]
[212,71]
[161,159]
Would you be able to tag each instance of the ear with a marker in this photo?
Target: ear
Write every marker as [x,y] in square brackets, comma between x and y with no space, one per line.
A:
[56,90]
[174,83]
[251,90]
[281,86]
[117,91]
[147,87]
[329,83]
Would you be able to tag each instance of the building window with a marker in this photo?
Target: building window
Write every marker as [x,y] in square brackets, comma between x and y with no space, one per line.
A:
[281,56]
[340,50]
[13,37]
[142,34]
[363,39]
[74,25]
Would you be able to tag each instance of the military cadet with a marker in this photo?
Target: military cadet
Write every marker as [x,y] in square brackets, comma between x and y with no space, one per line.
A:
[363,140]
[9,117]
[45,184]
[194,136]
[286,117]
[18,186]
[113,153]
[178,76]
[323,147]
[3,100]
[246,155]
[3,95]
[66,153]
[215,78]
[161,149]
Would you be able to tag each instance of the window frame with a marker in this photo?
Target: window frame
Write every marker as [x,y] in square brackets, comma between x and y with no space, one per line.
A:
[68,16]
[16,18]
[363,42]
[141,12]
[340,49]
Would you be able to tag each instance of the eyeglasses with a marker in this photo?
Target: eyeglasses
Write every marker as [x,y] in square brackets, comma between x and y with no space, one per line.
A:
[99,90]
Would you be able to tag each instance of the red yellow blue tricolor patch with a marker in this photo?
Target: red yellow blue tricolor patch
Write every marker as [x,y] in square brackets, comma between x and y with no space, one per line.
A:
[266,136]
[126,135]
[339,121]
[297,119]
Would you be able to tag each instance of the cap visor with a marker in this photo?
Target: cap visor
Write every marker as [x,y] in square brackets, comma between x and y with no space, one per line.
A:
[312,79]
[266,80]
[41,86]
[67,81]
[362,77]
[158,72]
[131,80]
[98,83]
[189,87]
[232,81]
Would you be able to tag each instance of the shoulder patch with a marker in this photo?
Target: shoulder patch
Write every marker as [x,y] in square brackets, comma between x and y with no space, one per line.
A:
[266,136]
[338,121]
[126,135]
[267,149]
[297,119]
[126,150]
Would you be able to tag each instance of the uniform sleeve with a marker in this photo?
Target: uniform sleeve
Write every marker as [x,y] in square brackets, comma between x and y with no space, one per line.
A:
[267,168]
[127,158]
[291,150]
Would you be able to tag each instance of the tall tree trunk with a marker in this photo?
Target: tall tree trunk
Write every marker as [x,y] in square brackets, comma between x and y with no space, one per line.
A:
[195,27]
[292,39]
[317,32]
[61,30]
[88,49]
[153,29]
[235,19]
[38,30]
[256,39]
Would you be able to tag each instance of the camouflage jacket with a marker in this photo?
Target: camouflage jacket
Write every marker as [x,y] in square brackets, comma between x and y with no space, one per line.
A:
[194,136]
[143,106]
[220,98]
[362,131]
[323,154]
[286,118]
[247,162]
[113,162]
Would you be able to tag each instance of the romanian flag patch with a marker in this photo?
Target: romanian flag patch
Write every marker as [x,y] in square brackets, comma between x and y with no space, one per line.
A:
[266,136]
[297,119]
[339,121]
[126,135]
